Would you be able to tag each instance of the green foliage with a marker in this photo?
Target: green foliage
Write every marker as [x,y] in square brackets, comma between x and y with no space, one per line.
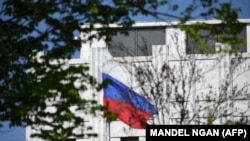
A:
[242,121]
[210,119]
[36,92]
[111,116]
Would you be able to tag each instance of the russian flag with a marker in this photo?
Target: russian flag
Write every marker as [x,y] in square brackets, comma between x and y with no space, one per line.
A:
[131,108]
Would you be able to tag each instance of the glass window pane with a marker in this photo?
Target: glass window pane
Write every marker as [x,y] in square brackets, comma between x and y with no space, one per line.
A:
[242,36]
[148,37]
[210,40]
[206,44]
[123,45]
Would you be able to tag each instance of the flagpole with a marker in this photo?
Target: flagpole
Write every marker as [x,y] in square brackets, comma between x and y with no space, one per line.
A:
[107,130]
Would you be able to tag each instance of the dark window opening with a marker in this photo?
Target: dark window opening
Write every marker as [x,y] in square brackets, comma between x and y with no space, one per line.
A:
[71,140]
[129,138]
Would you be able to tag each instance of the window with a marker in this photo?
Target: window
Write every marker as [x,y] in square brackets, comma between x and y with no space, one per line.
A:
[209,40]
[71,140]
[138,42]
[129,138]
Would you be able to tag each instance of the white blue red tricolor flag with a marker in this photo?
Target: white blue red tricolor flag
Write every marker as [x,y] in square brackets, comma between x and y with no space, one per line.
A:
[131,108]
